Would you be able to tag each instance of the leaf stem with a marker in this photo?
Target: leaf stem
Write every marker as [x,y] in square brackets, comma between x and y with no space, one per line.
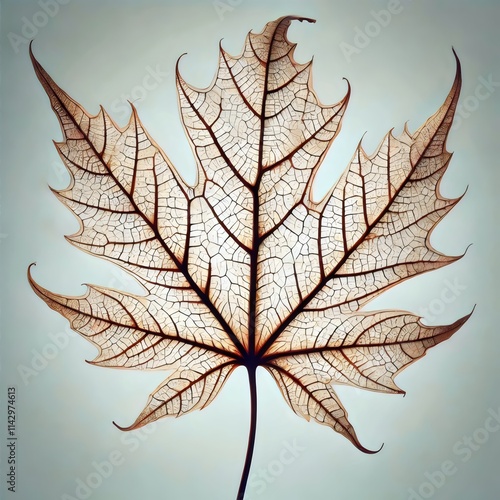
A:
[251,436]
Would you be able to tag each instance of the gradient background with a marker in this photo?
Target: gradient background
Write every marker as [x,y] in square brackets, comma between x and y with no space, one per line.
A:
[98,50]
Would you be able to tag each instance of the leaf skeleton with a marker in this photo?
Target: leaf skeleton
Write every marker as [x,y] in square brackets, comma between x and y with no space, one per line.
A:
[244,267]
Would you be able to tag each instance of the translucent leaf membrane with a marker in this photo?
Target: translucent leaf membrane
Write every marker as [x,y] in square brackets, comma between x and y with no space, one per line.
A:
[244,268]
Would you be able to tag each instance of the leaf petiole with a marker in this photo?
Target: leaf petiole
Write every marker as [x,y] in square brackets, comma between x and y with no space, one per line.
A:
[251,435]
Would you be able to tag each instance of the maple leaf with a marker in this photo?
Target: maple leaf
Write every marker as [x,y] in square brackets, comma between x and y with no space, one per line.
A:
[244,268]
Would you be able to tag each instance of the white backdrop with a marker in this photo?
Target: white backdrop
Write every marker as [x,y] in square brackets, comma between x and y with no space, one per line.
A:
[400,67]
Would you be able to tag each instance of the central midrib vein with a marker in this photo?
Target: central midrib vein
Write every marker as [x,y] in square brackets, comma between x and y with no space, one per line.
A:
[256,214]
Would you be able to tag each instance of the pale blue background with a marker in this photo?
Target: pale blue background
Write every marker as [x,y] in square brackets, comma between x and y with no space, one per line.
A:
[98,50]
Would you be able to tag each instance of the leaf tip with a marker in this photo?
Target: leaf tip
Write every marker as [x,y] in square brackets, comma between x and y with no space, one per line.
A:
[464,193]
[301,19]
[28,272]
[178,63]
[134,117]
[348,93]
[359,147]
[454,327]
[457,59]
[471,313]
[120,427]
[458,73]
[34,61]
[30,48]
[466,249]
[369,452]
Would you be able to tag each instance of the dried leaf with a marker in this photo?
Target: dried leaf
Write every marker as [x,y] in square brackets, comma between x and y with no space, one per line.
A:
[244,268]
